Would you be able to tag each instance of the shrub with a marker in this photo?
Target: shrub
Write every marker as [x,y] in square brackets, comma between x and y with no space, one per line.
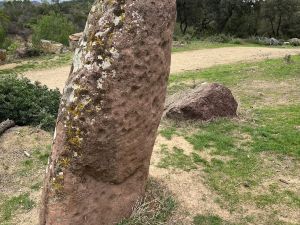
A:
[27,103]
[13,46]
[220,38]
[54,27]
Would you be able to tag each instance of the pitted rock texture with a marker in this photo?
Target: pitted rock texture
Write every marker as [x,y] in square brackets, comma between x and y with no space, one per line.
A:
[205,102]
[109,114]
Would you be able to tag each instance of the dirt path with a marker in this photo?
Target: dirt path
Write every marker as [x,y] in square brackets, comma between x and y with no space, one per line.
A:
[182,61]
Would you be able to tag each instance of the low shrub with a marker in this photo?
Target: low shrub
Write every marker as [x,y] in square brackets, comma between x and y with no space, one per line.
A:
[27,103]
[220,38]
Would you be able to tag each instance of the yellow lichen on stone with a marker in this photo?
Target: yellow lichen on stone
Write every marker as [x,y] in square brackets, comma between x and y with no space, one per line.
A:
[58,185]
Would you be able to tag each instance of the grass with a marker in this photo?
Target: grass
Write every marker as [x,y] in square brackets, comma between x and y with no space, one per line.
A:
[39,158]
[276,131]
[176,159]
[168,132]
[10,206]
[42,155]
[42,62]
[155,208]
[238,147]
[209,220]
[198,45]
[273,130]
[268,70]
[246,153]
[36,186]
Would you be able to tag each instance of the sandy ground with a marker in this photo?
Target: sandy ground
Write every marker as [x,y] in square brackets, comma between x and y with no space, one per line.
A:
[182,61]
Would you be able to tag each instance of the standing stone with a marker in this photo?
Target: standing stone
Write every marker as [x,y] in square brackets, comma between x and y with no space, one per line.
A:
[110,112]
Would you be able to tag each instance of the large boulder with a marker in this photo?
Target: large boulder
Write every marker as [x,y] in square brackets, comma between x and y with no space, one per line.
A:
[74,40]
[205,102]
[2,55]
[295,41]
[51,47]
[109,114]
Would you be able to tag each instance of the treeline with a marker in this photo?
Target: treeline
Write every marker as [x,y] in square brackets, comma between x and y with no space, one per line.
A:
[240,18]
[56,21]
[196,18]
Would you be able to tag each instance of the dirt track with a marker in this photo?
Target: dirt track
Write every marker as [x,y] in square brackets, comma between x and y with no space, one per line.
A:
[183,61]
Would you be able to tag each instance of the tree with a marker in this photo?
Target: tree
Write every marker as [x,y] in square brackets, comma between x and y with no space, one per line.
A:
[54,27]
[4,20]
[280,13]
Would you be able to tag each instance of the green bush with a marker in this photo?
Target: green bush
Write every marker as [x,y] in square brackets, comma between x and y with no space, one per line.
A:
[54,27]
[220,38]
[27,103]
[13,46]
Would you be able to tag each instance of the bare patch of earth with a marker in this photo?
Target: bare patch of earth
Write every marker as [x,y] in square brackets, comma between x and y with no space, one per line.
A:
[19,173]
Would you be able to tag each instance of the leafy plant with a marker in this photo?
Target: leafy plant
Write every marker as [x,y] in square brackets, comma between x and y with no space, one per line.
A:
[27,103]
[54,27]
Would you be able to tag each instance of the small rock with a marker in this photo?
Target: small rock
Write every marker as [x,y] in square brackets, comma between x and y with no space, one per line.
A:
[27,154]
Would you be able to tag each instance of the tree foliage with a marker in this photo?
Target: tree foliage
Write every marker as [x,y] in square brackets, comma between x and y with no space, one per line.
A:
[242,18]
[54,27]
[24,15]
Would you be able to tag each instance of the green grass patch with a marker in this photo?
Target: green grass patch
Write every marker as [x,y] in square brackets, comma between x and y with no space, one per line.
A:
[277,197]
[36,186]
[42,156]
[230,75]
[276,130]
[215,135]
[200,44]
[197,45]
[42,62]
[209,220]
[270,130]
[176,158]
[39,158]
[26,167]
[168,132]
[10,206]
